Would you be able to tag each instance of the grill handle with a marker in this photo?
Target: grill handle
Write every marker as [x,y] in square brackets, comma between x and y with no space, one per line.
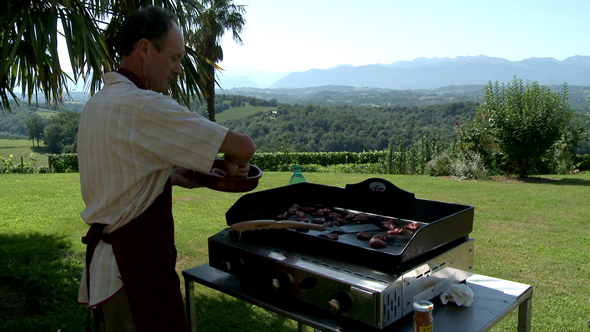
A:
[258,225]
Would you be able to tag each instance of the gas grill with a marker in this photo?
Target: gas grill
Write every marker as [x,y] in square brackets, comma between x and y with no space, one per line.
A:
[347,276]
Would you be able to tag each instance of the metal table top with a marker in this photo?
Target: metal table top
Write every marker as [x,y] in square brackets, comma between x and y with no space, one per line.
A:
[494,298]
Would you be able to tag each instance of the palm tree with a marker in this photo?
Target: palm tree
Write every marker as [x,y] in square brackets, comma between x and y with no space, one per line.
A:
[29,36]
[217,17]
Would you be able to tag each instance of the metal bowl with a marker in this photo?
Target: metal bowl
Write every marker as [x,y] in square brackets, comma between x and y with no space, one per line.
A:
[229,184]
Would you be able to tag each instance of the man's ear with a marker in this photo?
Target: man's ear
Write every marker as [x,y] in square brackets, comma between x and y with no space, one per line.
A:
[142,46]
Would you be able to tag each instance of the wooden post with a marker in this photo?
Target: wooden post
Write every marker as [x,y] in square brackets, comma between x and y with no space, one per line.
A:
[21,165]
[49,163]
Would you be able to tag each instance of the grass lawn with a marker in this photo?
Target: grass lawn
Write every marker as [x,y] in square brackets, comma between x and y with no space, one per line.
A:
[21,147]
[535,232]
[239,112]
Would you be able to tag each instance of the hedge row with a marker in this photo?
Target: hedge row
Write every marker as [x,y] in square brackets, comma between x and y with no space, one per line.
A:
[268,161]
[396,162]
[63,163]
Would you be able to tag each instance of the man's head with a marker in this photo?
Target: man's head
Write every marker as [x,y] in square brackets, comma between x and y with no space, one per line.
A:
[151,46]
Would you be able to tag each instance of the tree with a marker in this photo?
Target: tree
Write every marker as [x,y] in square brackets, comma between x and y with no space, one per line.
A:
[217,17]
[525,120]
[61,133]
[29,37]
[35,128]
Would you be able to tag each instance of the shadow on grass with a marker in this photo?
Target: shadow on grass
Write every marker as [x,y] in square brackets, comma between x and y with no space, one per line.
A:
[39,279]
[40,149]
[225,313]
[559,182]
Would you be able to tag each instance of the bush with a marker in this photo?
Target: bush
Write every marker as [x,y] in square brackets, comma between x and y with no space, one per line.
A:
[582,162]
[440,165]
[11,165]
[63,163]
[469,166]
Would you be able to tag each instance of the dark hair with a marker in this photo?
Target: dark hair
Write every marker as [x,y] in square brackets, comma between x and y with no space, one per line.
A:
[151,23]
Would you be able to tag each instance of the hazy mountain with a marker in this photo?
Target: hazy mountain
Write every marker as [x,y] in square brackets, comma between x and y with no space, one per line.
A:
[247,77]
[425,73]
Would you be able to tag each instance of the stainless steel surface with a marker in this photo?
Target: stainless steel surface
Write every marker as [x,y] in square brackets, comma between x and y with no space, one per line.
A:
[494,299]
[342,274]
[372,296]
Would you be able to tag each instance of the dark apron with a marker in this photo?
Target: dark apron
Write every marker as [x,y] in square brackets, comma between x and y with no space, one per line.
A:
[146,257]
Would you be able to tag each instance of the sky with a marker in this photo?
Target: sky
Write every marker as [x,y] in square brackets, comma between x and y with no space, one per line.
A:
[298,35]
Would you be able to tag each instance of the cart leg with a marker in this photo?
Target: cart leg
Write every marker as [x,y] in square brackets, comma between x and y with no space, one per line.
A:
[301,327]
[524,315]
[191,313]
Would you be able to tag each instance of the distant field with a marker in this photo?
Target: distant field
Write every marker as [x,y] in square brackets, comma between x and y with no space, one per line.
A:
[238,112]
[46,113]
[18,148]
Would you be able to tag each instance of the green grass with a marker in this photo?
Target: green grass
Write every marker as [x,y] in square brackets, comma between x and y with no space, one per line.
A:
[21,147]
[534,232]
[239,112]
[46,113]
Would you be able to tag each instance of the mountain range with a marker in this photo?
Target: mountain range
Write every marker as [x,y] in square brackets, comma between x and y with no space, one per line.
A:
[422,73]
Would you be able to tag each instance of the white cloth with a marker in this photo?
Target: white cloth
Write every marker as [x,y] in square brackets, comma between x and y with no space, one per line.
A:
[461,294]
[128,141]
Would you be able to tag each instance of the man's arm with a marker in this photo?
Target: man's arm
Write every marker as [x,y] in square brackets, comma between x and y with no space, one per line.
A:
[238,149]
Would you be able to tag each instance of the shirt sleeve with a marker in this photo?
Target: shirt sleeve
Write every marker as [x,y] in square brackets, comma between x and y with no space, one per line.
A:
[171,134]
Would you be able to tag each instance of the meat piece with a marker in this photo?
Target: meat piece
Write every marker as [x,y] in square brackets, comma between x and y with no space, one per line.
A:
[319,213]
[334,215]
[301,216]
[389,224]
[318,220]
[361,218]
[364,236]
[330,236]
[377,243]
[350,215]
[340,221]
[327,224]
[326,210]
[283,216]
[218,171]
[309,209]
[412,226]
[381,236]
[396,231]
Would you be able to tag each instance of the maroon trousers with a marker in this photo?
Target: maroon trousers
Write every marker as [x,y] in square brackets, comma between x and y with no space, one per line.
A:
[146,257]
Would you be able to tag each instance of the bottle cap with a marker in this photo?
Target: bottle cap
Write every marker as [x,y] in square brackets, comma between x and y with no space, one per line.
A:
[423,306]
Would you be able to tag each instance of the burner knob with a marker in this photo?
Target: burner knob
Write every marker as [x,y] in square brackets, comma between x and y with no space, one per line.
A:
[339,303]
[226,266]
[281,283]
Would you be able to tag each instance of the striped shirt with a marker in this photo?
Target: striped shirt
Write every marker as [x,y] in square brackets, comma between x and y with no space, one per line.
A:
[128,141]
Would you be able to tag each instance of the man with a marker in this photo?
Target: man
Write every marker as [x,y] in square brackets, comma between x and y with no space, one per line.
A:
[130,139]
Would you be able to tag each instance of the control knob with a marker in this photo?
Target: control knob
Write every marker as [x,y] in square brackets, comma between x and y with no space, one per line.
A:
[340,303]
[281,283]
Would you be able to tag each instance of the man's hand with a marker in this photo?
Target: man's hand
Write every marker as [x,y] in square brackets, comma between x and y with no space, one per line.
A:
[233,169]
[183,177]
[238,149]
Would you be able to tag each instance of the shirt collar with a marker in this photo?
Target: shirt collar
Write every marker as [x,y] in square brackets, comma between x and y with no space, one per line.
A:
[132,77]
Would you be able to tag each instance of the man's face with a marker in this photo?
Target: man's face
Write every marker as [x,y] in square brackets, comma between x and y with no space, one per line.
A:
[162,66]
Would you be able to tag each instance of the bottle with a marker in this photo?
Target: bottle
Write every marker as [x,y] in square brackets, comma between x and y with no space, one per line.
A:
[423,316]
[297,177]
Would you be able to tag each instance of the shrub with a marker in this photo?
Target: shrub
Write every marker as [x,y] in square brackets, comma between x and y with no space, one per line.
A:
[440,165]
[63,163]
[469,166]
